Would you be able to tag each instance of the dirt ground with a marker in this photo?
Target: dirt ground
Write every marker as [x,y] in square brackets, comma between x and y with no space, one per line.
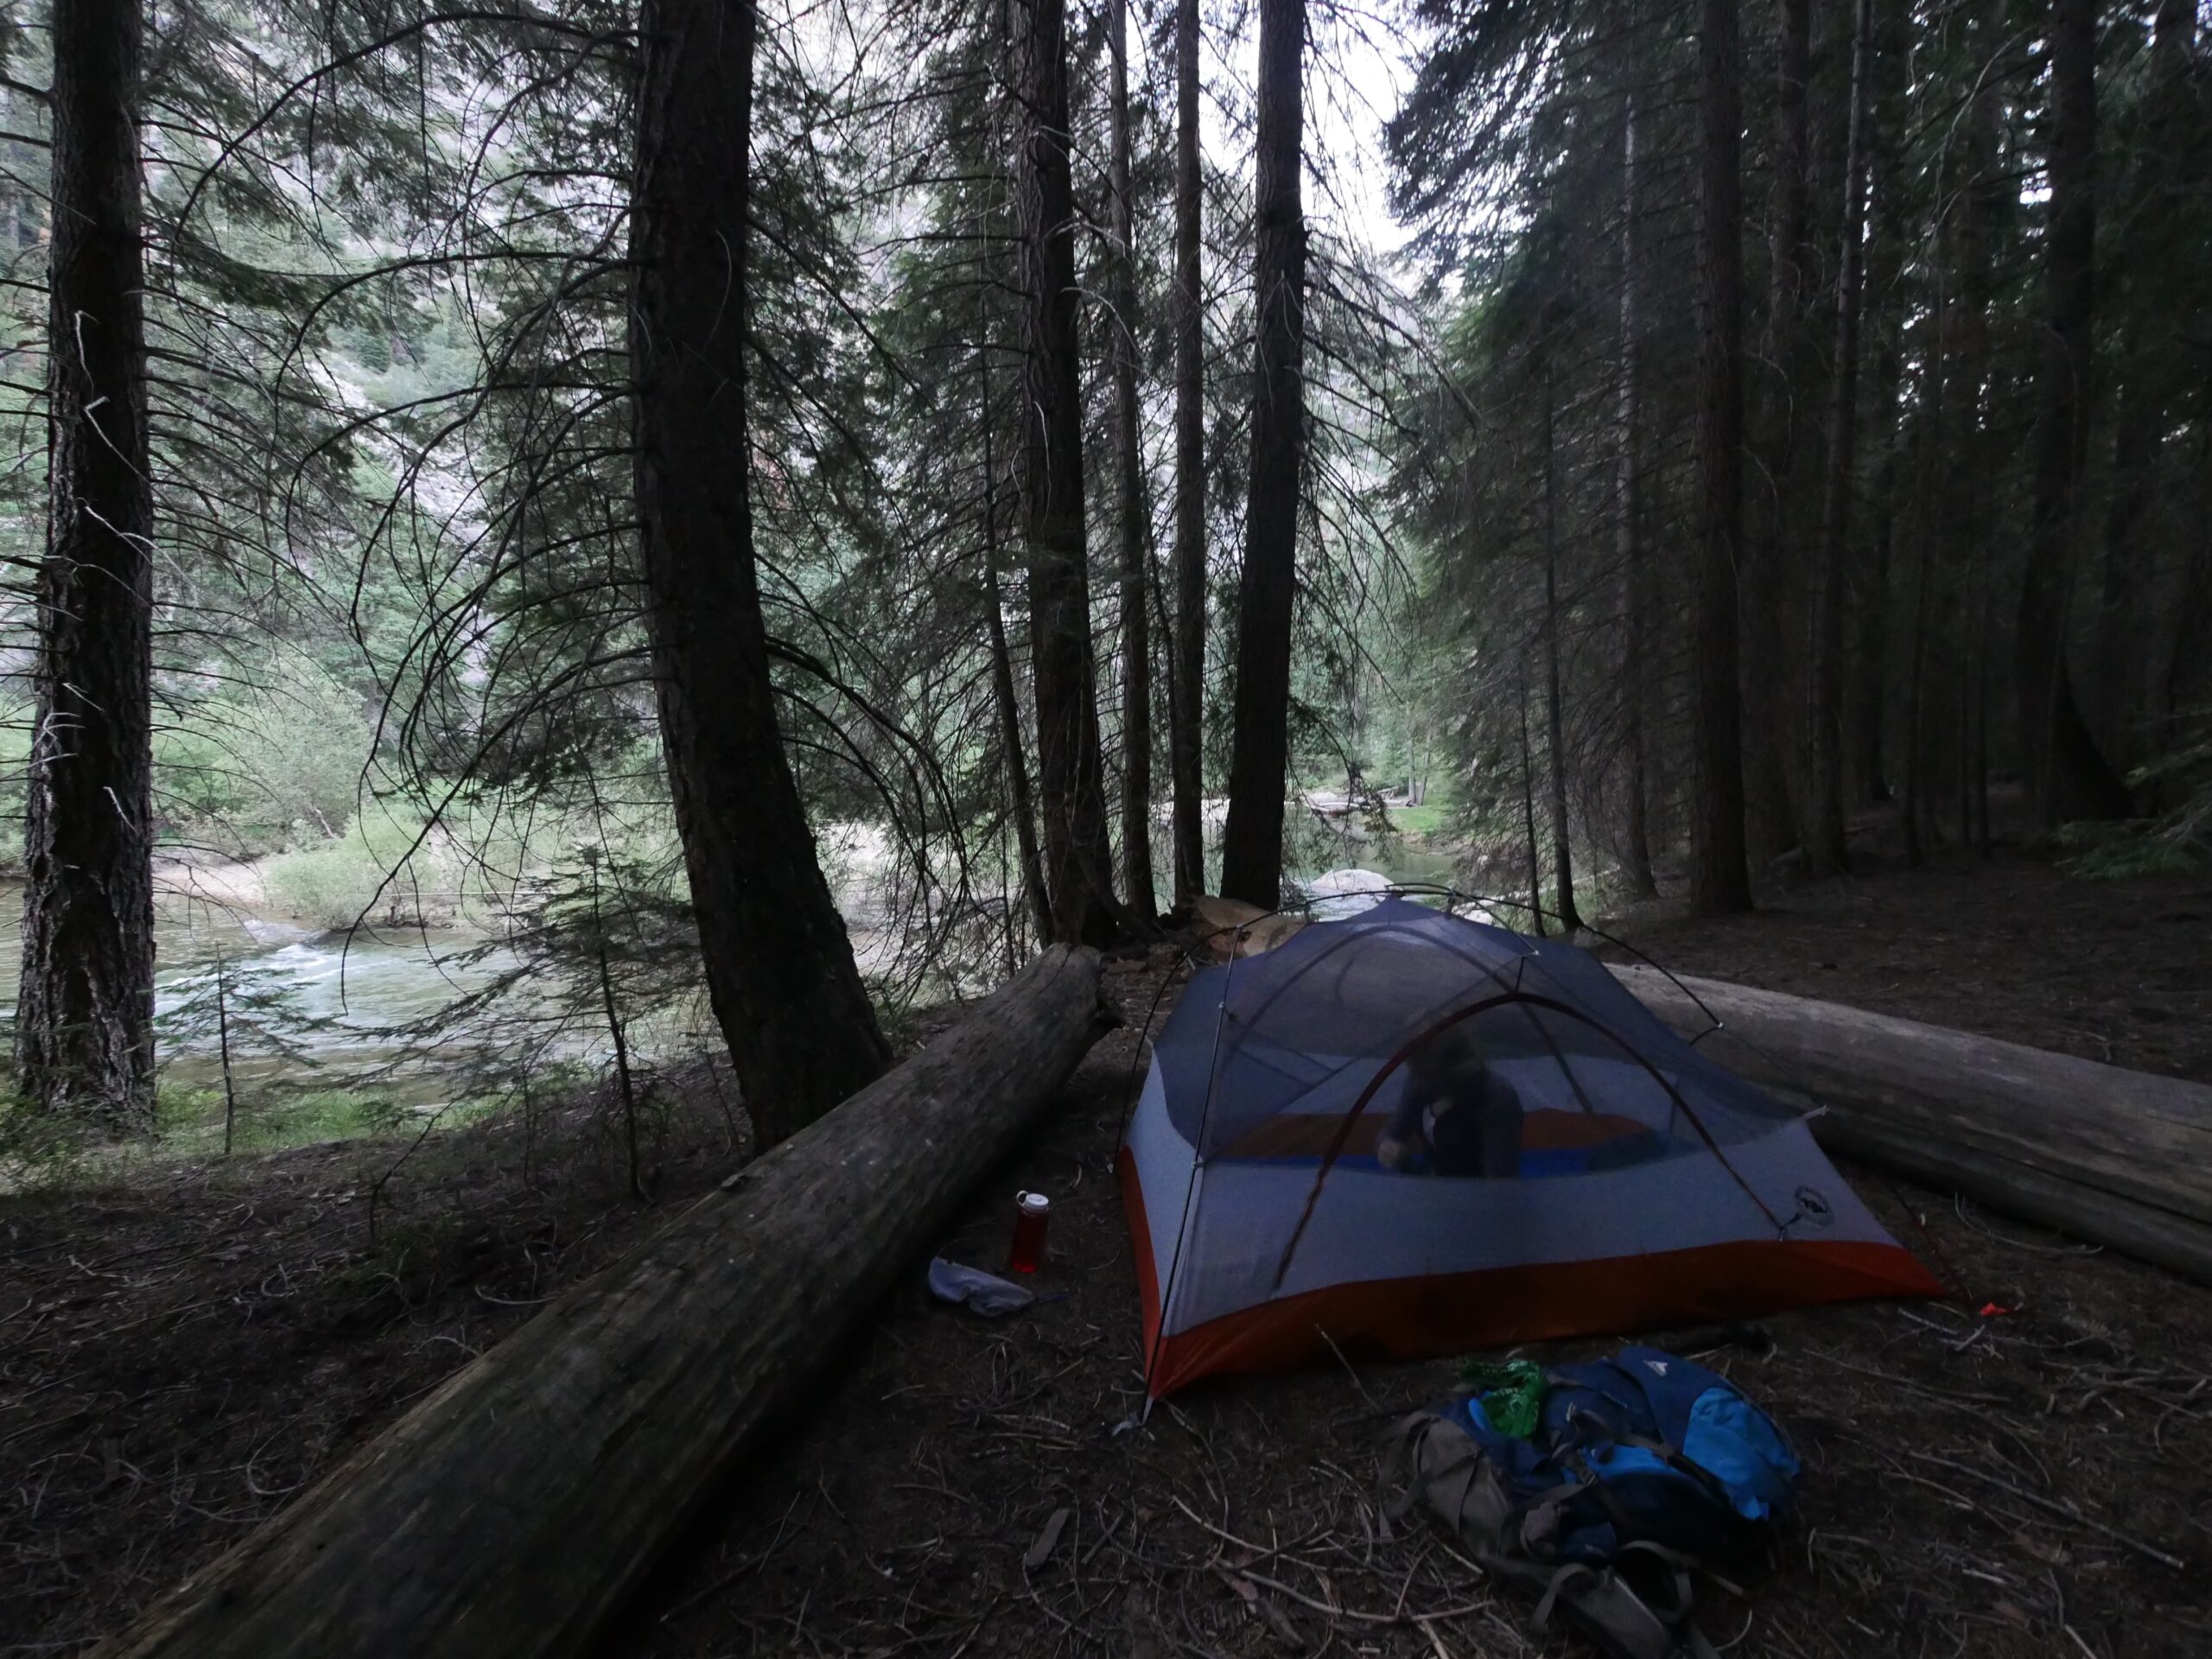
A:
[183,1350]
[180,1353]
[2010,946]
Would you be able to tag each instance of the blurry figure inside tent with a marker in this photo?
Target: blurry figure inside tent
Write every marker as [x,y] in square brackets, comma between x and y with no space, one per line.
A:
[1455,1116]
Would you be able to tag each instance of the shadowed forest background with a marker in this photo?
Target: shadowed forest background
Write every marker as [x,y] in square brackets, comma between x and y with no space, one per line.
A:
[1727,425]
[577,579]
[534,569]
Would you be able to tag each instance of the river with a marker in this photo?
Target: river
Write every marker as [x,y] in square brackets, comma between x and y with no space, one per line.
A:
[343,1000]
[341,1003]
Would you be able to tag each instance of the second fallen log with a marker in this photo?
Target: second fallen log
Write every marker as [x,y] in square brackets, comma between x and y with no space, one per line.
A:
[2116,1157]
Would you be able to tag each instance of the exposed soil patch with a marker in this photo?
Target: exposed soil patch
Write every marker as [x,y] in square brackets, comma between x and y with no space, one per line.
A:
[179,1354]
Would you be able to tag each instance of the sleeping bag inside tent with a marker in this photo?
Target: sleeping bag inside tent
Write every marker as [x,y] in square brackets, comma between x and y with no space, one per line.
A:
[1411,1134]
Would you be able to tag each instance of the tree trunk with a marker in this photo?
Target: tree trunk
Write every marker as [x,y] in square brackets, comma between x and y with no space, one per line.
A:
[1769,579]
[1978,798]
[1251,865]
[1950,432]
[510,1514]
[1789,224]
[1128,459]
[2137,439]
[1964,594]
[1885,312]
[1869,765]
[84,1030]
[2157,269]
[1912,809]
[801,1032]
[1825,845]
[223,1050]
[1186,741]
[1528,816]
[1020,802]
[1554,709]
[1013,754]
[1078,861]
[2114,1156]
[2189,644]
[2178,676]
[1629,532]
[2068,778]
[1719,879]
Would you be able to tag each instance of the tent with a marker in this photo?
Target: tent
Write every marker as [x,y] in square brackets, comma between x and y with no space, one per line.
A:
[1647,1186]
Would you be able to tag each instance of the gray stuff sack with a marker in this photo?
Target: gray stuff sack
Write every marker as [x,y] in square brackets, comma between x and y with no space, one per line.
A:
[1437,1466]
[988,1294]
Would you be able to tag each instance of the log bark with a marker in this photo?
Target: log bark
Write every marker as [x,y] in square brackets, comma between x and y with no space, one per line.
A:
[2119,1158]
[509,1513]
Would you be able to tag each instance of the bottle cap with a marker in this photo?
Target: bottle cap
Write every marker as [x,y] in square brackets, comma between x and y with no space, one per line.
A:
[1032,1203]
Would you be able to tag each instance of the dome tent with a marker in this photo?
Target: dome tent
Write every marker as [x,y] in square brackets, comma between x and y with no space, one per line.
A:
[1650,1186]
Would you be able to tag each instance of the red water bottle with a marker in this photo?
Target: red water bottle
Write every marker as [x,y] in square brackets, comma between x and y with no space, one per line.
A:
[1031,1210]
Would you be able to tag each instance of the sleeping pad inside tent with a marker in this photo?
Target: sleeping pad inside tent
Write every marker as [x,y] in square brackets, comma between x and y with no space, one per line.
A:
[1420,1134]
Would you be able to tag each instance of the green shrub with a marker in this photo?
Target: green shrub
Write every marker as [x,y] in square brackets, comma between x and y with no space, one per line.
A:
[329,885]
[2179,839]
[272,763]
[189,1118]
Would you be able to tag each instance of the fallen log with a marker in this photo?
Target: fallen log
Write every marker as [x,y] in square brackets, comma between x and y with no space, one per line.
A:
[509,1513]
[2115,1157]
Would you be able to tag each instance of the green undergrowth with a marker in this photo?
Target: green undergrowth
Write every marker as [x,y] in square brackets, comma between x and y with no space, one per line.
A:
[1425,820]
[189,1128]
[188,1120]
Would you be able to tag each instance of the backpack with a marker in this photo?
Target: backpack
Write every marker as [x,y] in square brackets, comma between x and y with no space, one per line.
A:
[1639,1469]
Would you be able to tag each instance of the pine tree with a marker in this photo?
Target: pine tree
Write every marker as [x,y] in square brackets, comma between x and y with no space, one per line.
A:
[797,1020]
[83,1042]
[1719,881]
[1071,777]
[1628,494]
[1824,826]
[2068,777]
[1186,739]
[1133,517]
[1252,863]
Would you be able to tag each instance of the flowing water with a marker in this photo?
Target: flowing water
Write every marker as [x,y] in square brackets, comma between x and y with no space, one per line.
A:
[330,1011]
[360,985]
[339,1004]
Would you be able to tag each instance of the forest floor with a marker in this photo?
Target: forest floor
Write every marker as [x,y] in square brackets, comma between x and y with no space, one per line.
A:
[180,1354]
[2009,946]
